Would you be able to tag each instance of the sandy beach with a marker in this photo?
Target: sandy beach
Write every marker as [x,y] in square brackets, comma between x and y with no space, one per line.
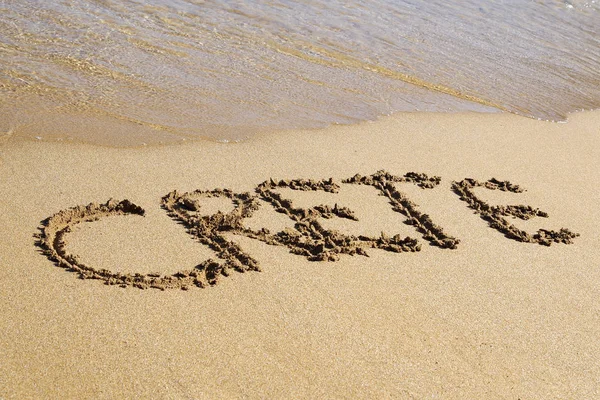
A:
[459,310]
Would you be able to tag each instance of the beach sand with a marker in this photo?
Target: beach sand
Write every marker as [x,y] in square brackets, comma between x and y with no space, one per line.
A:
[492,318]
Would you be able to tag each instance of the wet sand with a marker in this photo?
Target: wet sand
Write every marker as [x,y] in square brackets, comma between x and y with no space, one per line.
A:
[419,256]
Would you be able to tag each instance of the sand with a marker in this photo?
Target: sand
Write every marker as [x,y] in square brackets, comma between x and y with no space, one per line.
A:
[419,256]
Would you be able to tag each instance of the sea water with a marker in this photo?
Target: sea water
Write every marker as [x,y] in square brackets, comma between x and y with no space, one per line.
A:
[127,72]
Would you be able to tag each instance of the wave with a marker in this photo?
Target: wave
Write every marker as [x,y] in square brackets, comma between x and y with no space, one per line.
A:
[181,69]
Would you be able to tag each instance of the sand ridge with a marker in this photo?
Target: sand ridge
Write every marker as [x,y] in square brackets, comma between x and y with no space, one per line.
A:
[308,238]
[494,214]
[400,203]
[52,239]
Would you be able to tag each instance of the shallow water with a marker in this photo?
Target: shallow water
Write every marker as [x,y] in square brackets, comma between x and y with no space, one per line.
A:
[124,72]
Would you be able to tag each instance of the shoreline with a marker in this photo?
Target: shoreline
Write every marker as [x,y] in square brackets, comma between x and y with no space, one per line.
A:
[140,139]
[492,318]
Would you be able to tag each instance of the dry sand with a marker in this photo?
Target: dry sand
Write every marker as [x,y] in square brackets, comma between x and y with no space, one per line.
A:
[493,317]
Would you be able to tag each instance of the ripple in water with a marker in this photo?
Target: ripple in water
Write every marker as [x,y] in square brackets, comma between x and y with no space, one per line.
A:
[124,72]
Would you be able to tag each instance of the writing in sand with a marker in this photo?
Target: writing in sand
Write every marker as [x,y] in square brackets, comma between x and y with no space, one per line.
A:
[307,238]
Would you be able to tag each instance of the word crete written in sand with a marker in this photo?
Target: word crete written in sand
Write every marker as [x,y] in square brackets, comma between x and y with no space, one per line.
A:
[307,238]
